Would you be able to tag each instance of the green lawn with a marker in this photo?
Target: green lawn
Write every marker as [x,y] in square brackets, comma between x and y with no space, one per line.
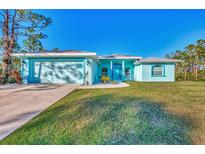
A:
[144,113]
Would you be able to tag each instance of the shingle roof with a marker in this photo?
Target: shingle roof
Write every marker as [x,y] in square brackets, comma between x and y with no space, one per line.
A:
[119,56]
[157,60]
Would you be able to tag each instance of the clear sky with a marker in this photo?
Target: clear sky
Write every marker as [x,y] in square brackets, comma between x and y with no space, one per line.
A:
[147,33]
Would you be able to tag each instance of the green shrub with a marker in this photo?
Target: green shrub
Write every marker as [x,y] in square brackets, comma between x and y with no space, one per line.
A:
[11,80]
[191,76]
[179,76]
[14,77]
[201,75]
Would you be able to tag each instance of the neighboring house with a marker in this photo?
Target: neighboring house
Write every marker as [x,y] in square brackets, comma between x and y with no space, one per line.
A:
[73,66]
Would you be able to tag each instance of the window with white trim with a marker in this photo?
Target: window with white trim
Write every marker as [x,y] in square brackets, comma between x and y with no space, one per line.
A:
[104,71]
[127,73]
[157,70]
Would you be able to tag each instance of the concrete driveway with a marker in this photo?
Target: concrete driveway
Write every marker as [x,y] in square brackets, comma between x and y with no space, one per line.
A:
[18,104]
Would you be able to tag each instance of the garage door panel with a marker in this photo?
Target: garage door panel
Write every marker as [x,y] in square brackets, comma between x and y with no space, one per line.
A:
[59,72]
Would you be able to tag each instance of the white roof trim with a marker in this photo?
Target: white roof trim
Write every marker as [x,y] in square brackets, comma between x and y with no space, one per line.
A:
[53,54]
[156,61]
[134,57]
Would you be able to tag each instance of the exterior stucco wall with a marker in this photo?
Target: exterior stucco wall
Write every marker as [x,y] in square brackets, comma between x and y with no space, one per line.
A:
[144,73]
[94,71]
[138,73]
[25,70]
[104,63]
[129,64]
[110,65]
[87,71]
[90,71]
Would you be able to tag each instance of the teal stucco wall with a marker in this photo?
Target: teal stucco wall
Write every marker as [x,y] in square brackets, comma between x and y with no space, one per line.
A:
[90,71]
[106,64]
[25,70]
[94,71]
[113,66]
[144,72]
[129,64]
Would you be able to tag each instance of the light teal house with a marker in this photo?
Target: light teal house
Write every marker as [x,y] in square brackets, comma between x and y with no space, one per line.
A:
[73,66]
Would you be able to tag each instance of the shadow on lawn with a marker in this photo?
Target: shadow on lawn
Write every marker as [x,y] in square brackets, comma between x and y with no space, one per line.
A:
[104,119]
[134,120]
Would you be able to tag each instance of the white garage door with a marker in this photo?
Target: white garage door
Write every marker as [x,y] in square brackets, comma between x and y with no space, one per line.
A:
[58,72]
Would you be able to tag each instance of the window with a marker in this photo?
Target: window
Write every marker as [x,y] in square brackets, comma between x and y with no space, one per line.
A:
[104,71]
[157,70]
[127,73]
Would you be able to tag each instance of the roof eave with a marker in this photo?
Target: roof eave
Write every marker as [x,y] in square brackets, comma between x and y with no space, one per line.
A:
[39,55]
[137,63]
[121,58]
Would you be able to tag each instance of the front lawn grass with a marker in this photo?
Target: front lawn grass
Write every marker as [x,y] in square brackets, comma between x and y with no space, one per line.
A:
[144,113]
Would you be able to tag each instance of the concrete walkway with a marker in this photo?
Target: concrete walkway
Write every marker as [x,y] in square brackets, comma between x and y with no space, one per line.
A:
[21,103]
[109,85]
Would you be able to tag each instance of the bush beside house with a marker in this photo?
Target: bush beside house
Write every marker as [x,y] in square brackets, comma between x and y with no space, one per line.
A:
[105,79]
[14,76]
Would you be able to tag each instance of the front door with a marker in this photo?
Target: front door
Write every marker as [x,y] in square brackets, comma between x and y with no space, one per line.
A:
[117,72]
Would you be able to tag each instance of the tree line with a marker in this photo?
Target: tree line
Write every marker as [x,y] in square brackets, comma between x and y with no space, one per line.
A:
[192,61]
[21,30]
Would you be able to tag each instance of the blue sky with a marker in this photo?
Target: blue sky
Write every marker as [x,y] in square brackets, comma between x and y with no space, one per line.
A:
[147,33]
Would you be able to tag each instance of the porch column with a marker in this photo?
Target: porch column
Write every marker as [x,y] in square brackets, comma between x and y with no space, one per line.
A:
[123,70]
[111,73]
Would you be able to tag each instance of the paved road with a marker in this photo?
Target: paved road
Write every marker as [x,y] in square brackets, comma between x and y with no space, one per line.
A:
[18,105]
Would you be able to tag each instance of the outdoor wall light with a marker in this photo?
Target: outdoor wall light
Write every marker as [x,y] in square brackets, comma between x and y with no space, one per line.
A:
[23,62]
[88,63]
